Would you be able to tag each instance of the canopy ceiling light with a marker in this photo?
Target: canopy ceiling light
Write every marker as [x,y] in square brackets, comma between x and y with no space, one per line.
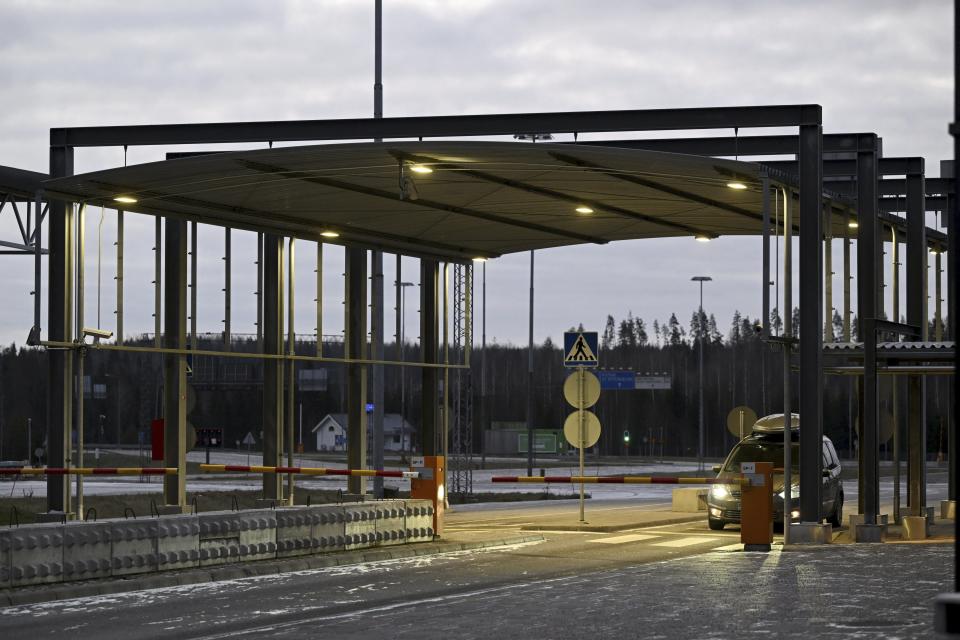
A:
[584,210]
[703,237]
[479,259]
[420,168]
[853,224]
[329,234]
[125,199]
[736,184]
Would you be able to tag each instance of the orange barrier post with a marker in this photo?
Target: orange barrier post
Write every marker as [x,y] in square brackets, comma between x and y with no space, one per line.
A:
[756,506]
[429,486]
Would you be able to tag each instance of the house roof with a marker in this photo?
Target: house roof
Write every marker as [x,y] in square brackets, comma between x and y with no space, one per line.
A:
[391,422]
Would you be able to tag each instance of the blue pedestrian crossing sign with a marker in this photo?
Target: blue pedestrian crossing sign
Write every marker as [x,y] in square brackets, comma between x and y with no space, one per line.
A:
[580,349]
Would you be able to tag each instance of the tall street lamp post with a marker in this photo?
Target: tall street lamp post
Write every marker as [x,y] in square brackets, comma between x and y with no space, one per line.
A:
[701,280]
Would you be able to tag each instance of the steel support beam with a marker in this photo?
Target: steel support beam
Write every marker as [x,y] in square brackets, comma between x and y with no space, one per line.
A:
[440,126]
[60,328]
[765,199]
[429,337]
[290,368]
[810,159]
[356,346]
[916,316]
[175,365]
[272,299]
[119,278]
[868,265]
[227,287]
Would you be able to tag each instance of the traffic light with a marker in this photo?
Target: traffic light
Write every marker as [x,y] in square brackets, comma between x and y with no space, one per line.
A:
[626,437]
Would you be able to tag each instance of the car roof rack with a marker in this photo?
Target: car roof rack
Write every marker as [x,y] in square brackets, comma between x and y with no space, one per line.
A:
[774,422]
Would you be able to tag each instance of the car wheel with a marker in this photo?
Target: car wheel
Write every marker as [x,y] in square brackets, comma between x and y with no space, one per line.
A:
[715,525]
[837,518]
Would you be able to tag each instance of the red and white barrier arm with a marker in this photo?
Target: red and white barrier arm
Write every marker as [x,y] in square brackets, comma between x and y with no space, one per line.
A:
[612,480]
[88,471]
[307,471]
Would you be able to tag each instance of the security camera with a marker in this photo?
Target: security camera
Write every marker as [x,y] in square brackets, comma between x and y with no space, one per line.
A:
[97,334]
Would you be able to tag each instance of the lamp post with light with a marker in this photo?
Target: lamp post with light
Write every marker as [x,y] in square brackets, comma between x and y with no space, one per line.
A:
[701,280]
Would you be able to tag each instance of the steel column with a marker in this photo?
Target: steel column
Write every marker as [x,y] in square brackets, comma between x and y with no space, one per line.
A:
[765,199]
[272,300]
[916,316]
[79,385]
[828,274]
[846,276]
[894,382]
[787,346]
[119,278]
[429,276]
[60,328]
[867,268]
[376,353]
[810,160]
[193,285]
[227,262]
[319,299]
[356,345]
[175,365]
[291,381]
[157,280]
[259,293]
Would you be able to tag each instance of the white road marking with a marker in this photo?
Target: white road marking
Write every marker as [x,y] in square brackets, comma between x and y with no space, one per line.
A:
[685,542]
[634,537]
[731,547]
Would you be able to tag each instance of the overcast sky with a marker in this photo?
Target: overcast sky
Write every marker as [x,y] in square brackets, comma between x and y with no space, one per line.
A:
[873,66]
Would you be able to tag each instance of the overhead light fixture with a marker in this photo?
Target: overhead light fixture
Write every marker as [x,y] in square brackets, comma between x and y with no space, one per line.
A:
[583,209]
[329,234]
[702,237]
[479,259]
[853,224]
[420,168]
[736,184]
[125,199]
[934,251]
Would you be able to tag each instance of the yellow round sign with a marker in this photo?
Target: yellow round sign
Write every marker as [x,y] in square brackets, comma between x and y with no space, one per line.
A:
[591,429]
[591,389]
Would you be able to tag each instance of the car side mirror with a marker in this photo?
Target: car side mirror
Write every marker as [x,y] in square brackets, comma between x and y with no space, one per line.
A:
[826,473]
[716,468]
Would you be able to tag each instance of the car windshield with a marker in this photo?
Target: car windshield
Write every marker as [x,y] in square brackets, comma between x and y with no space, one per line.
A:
[762,452]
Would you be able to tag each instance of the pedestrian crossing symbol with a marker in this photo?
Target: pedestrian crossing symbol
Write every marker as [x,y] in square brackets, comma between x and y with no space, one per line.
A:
[580,349]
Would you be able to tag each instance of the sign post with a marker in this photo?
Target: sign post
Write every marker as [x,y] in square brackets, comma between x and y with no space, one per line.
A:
[582,390]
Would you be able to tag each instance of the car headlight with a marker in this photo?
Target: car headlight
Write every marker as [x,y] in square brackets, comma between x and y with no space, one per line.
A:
[719,492]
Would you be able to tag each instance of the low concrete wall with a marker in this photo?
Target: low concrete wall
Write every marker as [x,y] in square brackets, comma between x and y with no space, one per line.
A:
[48,553]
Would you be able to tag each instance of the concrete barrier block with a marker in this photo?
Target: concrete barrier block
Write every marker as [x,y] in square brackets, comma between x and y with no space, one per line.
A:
[419,521]
[87,550]
[258,535]
[295,531]
[178,542]
[948,509]
[329,528]
[690,499]
[391,523]
[915,528]
[219,537]
[134,546]
[810,533]
[360,525]
[4,559]
[870,533]
[36,554]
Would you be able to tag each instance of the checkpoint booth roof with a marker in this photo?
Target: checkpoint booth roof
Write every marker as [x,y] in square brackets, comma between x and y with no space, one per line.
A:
[447,199]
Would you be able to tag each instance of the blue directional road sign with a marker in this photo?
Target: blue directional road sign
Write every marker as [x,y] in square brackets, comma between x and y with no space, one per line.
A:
[580,349]
[617,380]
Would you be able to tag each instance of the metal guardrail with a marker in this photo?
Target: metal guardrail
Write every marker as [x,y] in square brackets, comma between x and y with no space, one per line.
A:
[616,480]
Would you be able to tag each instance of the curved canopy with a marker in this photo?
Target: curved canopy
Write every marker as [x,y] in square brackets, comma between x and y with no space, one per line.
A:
[450,199]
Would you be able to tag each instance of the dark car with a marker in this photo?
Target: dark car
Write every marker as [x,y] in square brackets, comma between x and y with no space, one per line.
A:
[765,444]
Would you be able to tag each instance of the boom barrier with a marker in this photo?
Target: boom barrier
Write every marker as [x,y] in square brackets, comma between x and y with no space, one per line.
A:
[615,480]
[307,471]
[88,471]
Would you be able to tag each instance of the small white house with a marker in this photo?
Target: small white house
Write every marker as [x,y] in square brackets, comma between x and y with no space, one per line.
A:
[331,432]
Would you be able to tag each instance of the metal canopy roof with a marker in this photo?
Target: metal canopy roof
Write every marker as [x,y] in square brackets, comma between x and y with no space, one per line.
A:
[482,198]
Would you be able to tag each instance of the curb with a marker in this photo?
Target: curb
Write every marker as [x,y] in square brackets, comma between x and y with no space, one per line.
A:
[109,586]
